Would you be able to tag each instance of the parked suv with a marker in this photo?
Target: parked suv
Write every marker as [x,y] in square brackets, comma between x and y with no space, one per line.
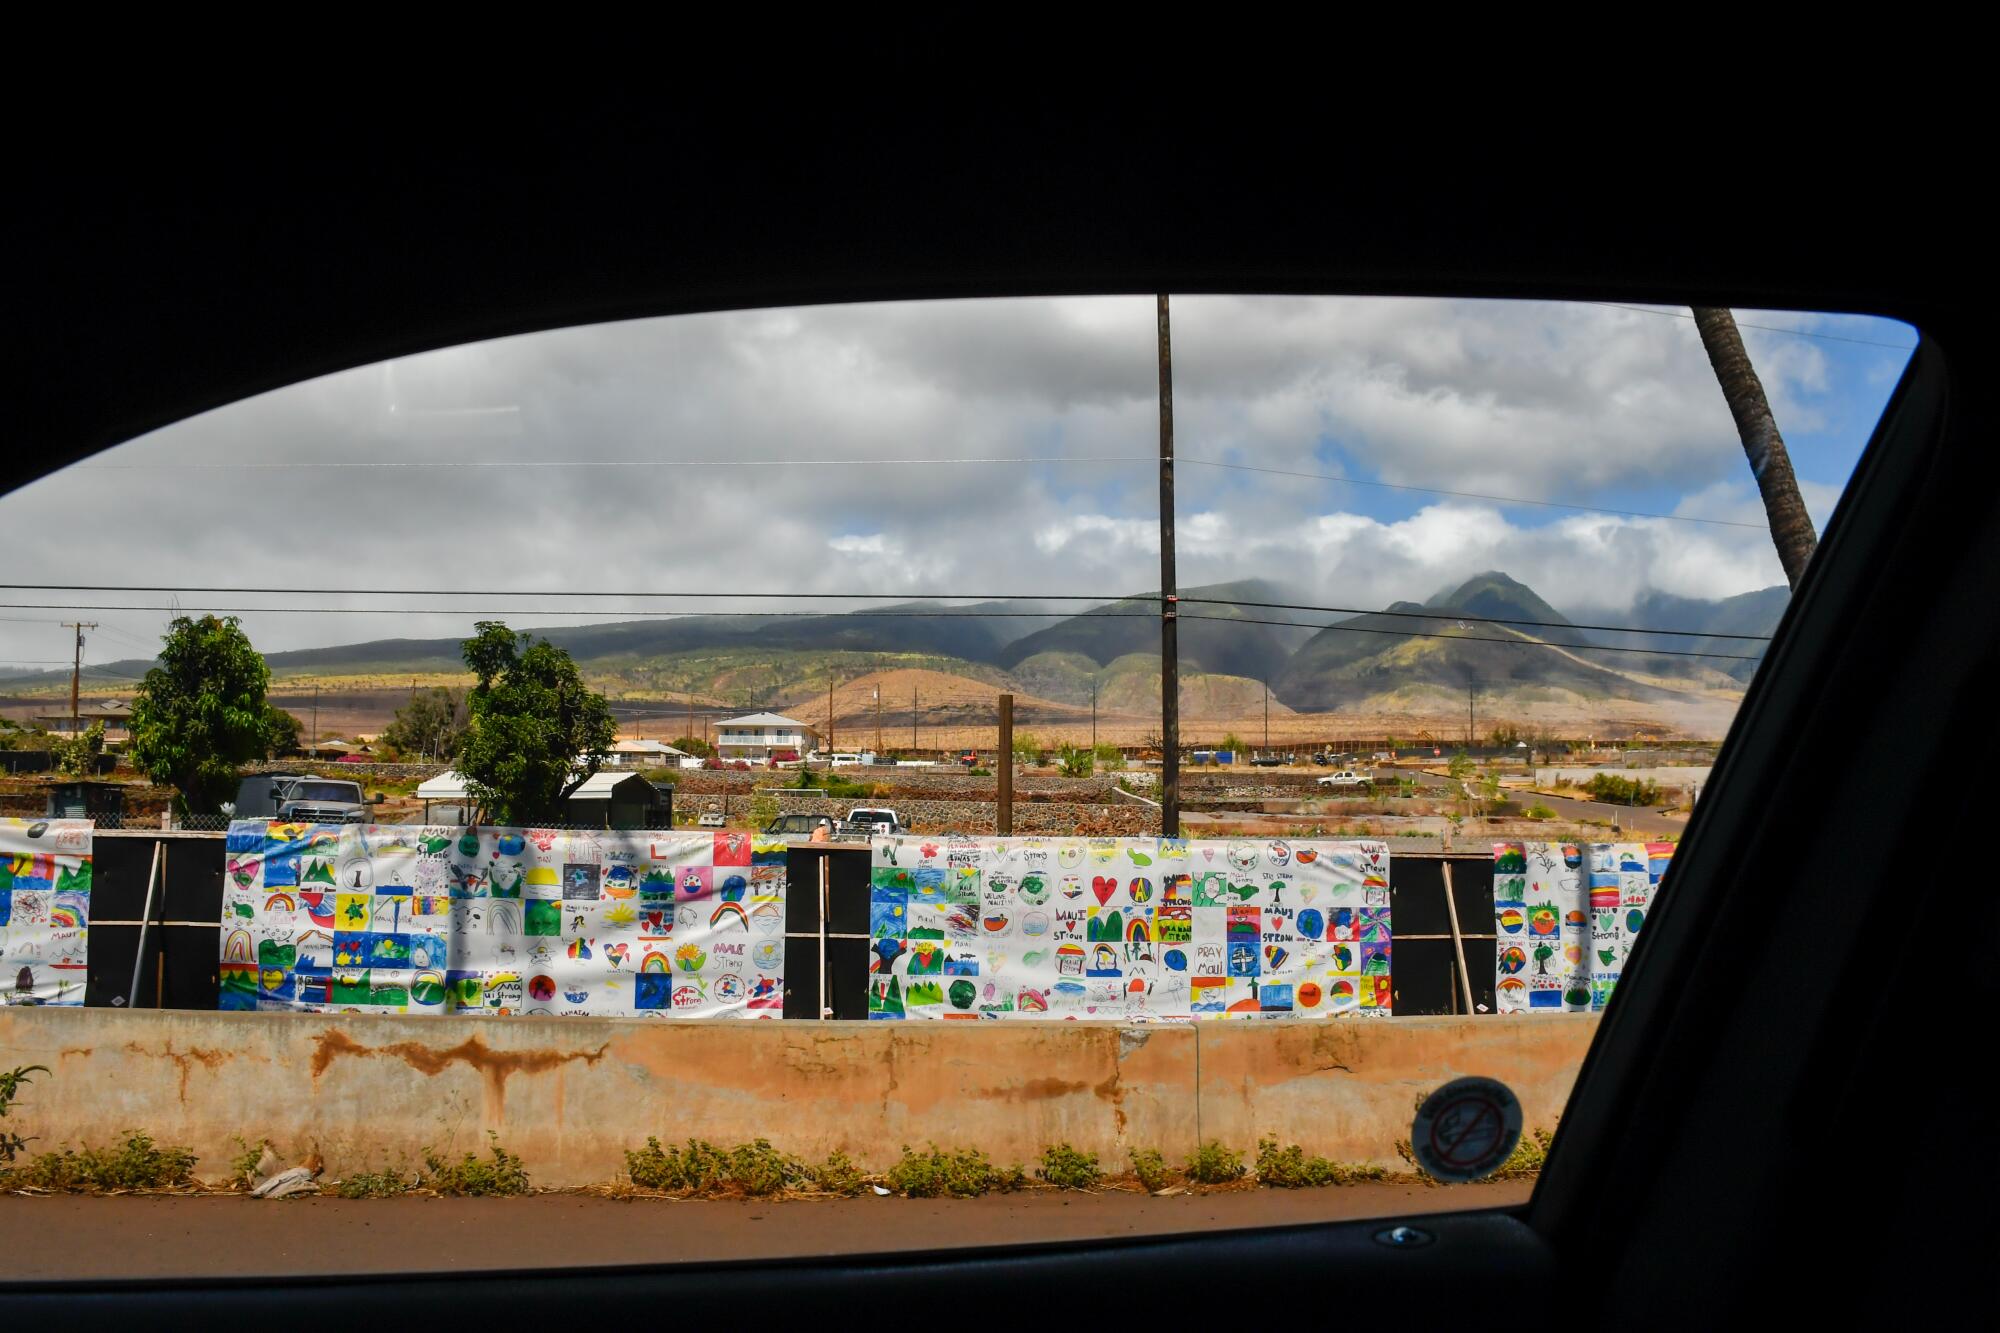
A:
[801,826]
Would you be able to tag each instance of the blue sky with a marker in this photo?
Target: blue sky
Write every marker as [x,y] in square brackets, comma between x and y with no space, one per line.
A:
[837,427]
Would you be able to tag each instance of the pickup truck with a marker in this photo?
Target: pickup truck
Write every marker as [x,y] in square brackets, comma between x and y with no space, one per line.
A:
[872,820]
[1347,778]
[301,798]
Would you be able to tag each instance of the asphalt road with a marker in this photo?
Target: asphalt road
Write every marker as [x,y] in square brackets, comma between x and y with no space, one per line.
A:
[232,1235]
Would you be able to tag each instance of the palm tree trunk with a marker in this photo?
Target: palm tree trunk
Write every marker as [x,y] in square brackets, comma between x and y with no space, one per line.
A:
[1791,527]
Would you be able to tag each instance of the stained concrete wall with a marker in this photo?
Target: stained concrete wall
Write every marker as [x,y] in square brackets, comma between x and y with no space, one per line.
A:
[571,1095]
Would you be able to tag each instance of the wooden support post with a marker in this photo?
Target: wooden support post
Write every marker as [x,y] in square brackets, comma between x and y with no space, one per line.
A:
[1457,938]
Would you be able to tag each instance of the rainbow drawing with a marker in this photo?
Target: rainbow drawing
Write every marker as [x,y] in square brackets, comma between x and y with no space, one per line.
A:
[281,902]
[727,915]
[654,961]
[236,947]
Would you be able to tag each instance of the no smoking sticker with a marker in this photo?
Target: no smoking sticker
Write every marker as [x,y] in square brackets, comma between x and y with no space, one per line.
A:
[1466,1129]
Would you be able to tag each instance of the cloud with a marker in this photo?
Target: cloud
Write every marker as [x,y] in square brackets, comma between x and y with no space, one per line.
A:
[581,460]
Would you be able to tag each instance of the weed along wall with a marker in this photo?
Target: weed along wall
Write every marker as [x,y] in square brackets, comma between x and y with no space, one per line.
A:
[571,1095]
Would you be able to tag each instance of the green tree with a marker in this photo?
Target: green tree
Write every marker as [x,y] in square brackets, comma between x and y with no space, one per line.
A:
[75,756]
[538,732]
[1074,761]
[1026,748]
[1110,755]
[1232,742]
[693,745]
[281,731]
[431,725]
[201,713]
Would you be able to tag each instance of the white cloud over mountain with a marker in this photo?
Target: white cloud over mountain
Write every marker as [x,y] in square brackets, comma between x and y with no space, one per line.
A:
[501,465]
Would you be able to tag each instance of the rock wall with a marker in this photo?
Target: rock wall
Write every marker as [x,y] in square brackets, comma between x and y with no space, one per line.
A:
[934,816]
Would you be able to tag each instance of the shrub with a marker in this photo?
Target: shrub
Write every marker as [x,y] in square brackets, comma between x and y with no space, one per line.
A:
[1075,761]
[372,1184]
[1151,1168]
[758,1168]
[1622,791]
[1540,811]
[963,1174]
[243,1166]
[697,1169]
[754,1168]
[10,1085]
[503,1174]
[1068,1169]
[838,1176]
[1525,1162]
[136,1164]
[1289,1168]
[1213,1164]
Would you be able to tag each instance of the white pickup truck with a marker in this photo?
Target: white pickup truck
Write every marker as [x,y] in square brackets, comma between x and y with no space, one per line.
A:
[1346,777]
[874,820]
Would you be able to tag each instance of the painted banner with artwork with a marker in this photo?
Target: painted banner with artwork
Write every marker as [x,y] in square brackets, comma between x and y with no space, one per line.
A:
[1129,929]
[498,921]
[1565,916]
[44,910]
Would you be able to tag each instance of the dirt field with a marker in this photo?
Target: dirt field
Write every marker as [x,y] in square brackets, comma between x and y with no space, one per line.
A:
[212,1236]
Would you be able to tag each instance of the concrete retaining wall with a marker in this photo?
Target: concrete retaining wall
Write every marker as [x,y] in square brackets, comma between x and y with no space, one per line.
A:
[571,1095]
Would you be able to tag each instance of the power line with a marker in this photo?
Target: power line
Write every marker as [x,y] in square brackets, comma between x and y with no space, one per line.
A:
[1523,642]
[1768,328]
[557,592]
[1468,495]
[947,613]
[931,615]
[619,611]
[322,465]
[1483,620]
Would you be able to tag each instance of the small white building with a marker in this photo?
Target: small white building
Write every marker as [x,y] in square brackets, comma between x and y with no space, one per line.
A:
[759,736]
[645,754]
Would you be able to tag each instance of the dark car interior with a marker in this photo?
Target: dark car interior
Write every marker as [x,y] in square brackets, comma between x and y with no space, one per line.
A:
[1786,1118]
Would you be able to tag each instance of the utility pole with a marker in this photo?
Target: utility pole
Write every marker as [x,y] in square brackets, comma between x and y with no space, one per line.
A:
[1170,675]
[76,674]
[315,739]
[1003,817]
[1093,714]
[690,730]
[829,719]
[878,721]
[1470,688]
[1267,717]
[913,719]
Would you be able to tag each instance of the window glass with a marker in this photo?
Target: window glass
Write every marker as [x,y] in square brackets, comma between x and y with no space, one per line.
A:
[1468,594]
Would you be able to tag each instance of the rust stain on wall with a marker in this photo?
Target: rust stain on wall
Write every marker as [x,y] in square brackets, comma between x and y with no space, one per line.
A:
[1034,1090]
[495,1067]
[209,1059]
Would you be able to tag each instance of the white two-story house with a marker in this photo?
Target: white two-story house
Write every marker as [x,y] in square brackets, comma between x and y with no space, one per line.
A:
[759,736]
